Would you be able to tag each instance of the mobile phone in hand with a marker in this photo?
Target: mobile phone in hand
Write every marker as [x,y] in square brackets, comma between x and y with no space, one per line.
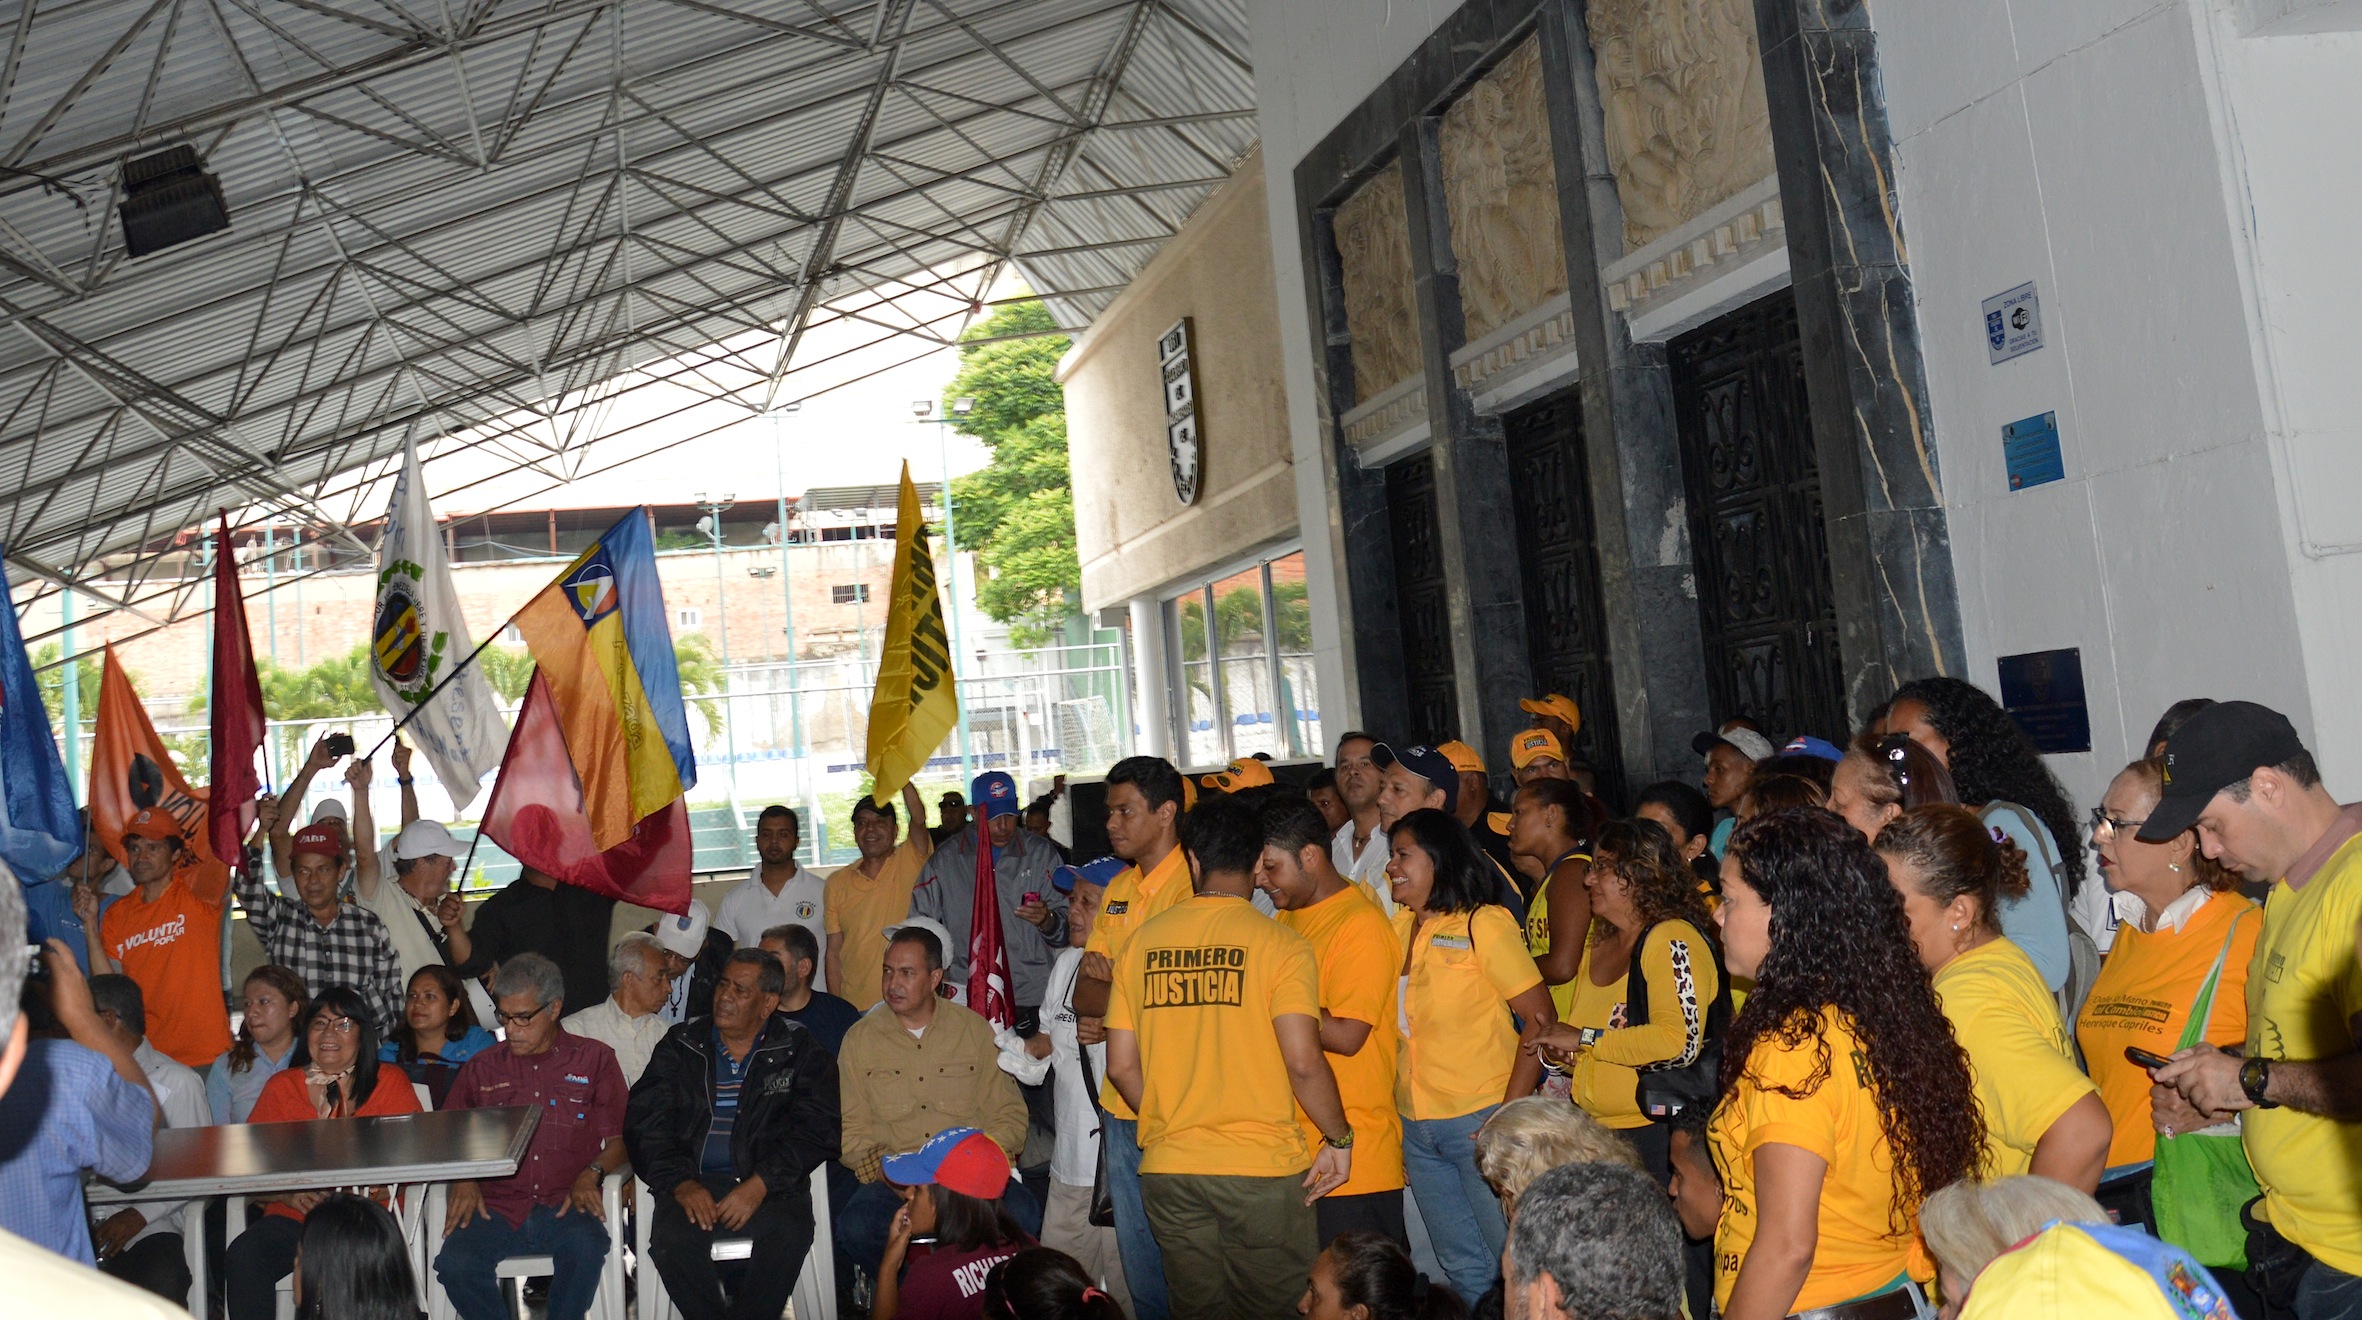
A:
[1031,896]
[340,744]
[2145,1059]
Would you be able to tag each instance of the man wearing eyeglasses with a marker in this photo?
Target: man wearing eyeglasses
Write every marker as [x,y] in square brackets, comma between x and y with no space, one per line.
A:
[551,1205]
[627,1021]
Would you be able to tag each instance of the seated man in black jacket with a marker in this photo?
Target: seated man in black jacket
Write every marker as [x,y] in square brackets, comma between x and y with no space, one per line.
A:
[725,1126]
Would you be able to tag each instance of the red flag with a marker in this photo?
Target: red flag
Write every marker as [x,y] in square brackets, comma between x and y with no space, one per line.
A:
[236,708]
[537,814]
[988,953]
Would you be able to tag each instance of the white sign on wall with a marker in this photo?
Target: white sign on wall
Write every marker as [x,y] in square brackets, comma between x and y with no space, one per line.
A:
[1175,352]
[2013,324]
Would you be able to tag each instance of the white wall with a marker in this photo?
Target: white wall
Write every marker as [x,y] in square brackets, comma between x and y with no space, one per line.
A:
[1315,60]
[2126,154]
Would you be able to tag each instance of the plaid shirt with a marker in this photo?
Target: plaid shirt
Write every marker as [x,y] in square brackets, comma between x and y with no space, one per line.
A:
[355,949]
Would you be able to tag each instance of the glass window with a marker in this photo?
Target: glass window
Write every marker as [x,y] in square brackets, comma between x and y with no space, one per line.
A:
[1239,631]
[1299,685]
[1199,710]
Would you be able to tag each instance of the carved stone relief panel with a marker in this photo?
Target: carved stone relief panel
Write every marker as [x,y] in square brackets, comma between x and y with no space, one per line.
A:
[1681,82]
[1502,191]
[1374,258]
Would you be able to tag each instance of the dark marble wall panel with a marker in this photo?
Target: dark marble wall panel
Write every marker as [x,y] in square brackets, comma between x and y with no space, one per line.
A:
[1646,581]
[1890,556]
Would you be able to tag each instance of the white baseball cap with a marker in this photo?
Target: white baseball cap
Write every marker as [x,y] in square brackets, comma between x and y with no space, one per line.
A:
[929,925]
[329,809]
[426,838]
[685,934]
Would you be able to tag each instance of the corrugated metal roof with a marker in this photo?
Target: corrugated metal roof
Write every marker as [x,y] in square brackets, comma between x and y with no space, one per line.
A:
[469,218]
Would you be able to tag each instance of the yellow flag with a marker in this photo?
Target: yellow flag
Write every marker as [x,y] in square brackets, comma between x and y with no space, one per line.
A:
[915,704]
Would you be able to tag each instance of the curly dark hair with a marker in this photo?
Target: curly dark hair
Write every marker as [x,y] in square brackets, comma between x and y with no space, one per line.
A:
[1840,945]
[1641,854]
[1993,761]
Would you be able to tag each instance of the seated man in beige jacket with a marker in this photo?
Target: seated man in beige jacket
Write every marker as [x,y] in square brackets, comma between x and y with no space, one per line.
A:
[910,1068]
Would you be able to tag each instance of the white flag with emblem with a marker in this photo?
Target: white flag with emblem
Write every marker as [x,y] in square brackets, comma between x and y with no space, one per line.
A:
[417,636]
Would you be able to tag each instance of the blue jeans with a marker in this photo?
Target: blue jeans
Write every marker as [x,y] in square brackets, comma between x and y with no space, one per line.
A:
[867,1220]
[2328,1294]
[576,1244]
[1135,1241]
[1463,1217]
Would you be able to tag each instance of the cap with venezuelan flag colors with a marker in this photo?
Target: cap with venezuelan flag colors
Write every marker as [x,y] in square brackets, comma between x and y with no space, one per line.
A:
[961,1159]
[2096,1272]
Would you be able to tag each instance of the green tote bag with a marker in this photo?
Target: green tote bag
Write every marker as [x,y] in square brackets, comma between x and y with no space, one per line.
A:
[2202,1178]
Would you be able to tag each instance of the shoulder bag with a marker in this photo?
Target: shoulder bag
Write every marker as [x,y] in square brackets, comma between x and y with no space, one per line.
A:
[1668,1089]
[2201,1179]
[1102,1193]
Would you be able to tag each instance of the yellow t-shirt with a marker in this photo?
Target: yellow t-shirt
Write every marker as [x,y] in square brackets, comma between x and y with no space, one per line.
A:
[1131,900]
[1201,986]
[860,907]
[1678,966]
[2003,1014]
[1537,937]
[1359,959]
[1859,1248]
[1460,1043]
[2143,997]
[2302,994]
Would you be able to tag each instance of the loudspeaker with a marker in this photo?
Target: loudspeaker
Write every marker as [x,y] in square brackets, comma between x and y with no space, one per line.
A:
[168,198]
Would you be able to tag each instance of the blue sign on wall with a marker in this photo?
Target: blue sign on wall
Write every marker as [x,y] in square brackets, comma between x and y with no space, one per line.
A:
[2043,692]
[2031,445]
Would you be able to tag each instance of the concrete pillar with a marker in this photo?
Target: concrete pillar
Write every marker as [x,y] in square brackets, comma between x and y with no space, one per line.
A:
[1152,714]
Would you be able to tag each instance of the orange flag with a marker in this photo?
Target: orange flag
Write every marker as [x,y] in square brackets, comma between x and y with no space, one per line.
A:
[130,771]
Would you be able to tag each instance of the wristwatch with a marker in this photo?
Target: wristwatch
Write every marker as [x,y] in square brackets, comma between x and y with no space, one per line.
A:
[1335,1144]
[2255,1077]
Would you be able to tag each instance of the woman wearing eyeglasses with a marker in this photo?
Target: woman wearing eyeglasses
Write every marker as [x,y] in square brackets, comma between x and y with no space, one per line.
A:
[2185,926]
[334,1075]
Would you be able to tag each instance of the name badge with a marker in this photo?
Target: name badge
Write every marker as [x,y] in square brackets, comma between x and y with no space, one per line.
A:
[1118,908]
[1452,942]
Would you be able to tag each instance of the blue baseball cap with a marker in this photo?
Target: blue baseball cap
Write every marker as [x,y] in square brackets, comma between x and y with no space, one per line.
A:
[962,1159]
[995,794]
[1101,873]
[1811,746]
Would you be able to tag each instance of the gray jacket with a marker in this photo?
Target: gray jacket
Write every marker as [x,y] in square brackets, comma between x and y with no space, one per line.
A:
[946,892]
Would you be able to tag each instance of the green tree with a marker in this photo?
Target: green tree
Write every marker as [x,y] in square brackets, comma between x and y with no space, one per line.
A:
[701,674]
[1017,513]
[88,670]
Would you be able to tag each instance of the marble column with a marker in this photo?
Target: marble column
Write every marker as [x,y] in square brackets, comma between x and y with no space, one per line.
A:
[1478,536]
[1890,554]
[1638,505]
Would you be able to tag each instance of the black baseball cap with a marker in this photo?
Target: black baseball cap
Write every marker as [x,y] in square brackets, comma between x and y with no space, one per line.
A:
[1425,762]
[2220,746]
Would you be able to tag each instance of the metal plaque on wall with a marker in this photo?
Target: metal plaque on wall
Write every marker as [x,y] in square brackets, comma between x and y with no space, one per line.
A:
[1176,352]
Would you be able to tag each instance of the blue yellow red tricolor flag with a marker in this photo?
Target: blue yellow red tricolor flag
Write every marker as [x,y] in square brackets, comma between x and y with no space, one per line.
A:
[599,635]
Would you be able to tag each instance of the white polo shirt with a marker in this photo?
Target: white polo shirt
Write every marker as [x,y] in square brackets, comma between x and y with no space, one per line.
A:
[1368,869]
[750,908]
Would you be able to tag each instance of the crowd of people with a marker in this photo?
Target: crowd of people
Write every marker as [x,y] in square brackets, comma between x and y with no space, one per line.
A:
[1885,1029]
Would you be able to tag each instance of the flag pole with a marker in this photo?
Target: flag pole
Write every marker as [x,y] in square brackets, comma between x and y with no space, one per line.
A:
[437,689]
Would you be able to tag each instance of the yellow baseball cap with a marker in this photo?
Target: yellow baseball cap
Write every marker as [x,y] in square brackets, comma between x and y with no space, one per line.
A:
[1499,822]
[1463,757]
[2096,1272]
[1558,704]
[1245,772]
[1532,745]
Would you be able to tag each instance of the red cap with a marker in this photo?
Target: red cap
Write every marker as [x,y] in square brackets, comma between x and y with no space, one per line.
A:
[322,837]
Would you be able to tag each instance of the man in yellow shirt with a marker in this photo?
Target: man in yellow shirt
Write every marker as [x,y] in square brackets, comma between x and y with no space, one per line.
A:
[1143,818]
[1213,1037]
[861,900]
[1359,966]
[2238,772]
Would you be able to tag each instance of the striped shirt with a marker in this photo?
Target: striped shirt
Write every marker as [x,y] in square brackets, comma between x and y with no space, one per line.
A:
[728,1074]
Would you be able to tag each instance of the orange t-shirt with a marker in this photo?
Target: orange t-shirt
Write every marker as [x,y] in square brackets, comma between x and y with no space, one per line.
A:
[172,947]
[287,1098]
[2143,997]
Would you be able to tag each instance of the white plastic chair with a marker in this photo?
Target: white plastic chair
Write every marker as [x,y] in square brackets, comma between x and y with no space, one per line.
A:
[815,1296]
[606,1304]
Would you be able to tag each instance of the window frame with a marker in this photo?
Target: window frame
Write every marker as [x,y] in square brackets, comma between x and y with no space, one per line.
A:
[1201,586]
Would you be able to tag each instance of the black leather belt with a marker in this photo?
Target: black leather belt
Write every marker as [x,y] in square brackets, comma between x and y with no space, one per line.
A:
[1896,1305]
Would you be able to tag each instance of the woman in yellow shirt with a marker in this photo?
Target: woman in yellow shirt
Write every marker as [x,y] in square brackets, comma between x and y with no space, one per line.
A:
[1647,912]
[1846,1102]
[1550,822]
[2182,917]
[1465,970]
[2042,1115]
